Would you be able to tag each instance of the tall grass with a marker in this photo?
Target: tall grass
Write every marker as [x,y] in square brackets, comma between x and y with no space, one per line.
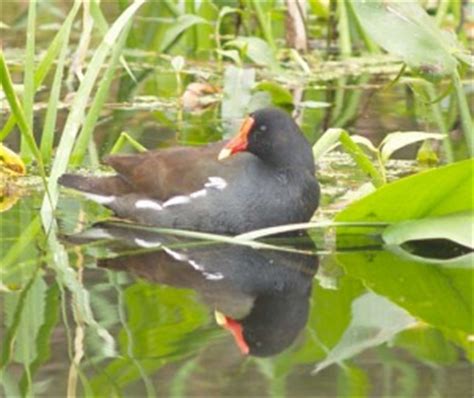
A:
[52,110]
[78,108]
[28,96]
[18,114]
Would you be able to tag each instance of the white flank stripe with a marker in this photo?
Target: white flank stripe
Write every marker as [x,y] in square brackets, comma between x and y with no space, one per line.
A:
[213,277]
[146,244]
[177,200]
[195,265]
[198,194]
[216,182]
[103,200]
[148,204]
[176,255]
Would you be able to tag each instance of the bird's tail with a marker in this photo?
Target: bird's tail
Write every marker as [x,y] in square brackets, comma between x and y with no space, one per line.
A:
[96,187]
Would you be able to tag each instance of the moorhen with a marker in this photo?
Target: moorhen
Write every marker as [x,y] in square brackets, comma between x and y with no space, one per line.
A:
[265,176]
[260,296]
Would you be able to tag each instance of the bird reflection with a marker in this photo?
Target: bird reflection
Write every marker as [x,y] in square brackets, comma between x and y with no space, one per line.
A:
[260,296]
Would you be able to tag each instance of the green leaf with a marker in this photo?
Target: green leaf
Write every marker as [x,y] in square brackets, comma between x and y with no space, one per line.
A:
[328,141]
[329,325]
[464,261]
[431,193]
[231,54]
[358,139]
[85,135]
[19,113]
[279,94]
[67,278]
[32,317]
[161,323]
[44,65]
[29,81]
[395,141]
[238,84]
[405,29]
[439,296]
[228,10]
[123,139]
[256,49]
[331,139]
[49,126]
[428,344]
[182,23]
[319,8]
[456,227]
[375,320]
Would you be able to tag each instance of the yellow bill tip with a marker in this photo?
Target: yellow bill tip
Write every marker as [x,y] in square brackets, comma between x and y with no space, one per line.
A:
[220,318]
[224,153]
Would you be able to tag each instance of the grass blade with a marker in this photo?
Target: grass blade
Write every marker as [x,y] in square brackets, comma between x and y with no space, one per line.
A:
[343,28]
[466,119]
[332,137]
[28,80]
[123,139]
[30,233]
[361,159]
[281,229]
[437,113]
[51,113]
[19,114]
[264,22]
[98,102]
[101,22]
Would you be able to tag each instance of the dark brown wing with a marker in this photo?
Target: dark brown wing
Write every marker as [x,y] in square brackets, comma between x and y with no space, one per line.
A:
[169,172]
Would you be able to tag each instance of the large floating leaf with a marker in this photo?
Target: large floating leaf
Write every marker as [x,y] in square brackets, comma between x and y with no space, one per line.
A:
[456,227]
[440,296]
[428,344]
[432,193]
[405,29]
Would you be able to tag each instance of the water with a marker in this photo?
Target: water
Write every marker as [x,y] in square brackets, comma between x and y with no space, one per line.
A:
[131,312]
